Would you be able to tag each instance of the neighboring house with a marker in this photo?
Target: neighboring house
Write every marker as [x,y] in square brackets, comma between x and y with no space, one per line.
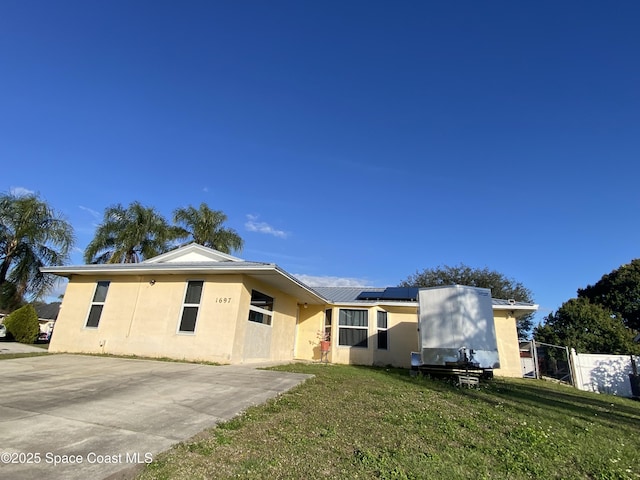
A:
[47,311]
[195,303]
[47,314]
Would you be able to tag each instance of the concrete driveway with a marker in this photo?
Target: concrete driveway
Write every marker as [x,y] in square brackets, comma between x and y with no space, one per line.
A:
[15,347]
[78,417]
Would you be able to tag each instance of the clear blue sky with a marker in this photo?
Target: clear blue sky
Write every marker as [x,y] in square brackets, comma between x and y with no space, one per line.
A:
[359,140]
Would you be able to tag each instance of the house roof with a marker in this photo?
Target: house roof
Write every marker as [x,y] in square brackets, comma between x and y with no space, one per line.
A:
[367,295]
[343,294]
[48,311]
[194,259]
[513,305]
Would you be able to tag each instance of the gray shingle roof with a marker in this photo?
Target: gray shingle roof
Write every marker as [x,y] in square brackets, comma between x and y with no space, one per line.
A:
[48,310]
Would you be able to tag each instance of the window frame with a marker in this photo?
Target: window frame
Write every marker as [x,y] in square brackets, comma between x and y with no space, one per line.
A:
[185,305]
[328,323]
[341,326]
[384,329]
[97,303]
[265,312]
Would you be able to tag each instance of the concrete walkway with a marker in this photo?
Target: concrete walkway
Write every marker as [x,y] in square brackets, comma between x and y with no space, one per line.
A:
[15,347]
[78,417]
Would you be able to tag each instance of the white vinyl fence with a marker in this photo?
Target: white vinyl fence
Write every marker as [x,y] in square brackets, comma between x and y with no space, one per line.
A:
[602,373]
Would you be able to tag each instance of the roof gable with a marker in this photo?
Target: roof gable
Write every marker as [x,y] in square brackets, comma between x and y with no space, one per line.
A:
[193,253]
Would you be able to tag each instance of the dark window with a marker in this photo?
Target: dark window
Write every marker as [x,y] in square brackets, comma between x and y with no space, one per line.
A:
[191,306]
[261,308]
[353,328]
[259,317]
[188,322]
[100,294]
[94,315]
[194,292]
[383,334]
[99,297]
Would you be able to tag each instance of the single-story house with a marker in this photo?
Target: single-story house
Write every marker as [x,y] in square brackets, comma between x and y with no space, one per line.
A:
[195,303]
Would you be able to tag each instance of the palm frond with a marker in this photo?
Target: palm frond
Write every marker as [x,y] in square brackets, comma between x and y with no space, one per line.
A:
[205,226]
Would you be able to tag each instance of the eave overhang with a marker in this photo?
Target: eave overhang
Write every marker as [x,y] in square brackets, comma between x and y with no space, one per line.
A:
[516,311]
[268,273]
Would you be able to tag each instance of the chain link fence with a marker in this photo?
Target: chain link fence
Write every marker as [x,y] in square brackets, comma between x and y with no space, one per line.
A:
[543,360]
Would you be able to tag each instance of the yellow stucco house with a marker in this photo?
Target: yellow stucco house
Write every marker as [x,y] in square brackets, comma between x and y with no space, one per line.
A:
[195,303]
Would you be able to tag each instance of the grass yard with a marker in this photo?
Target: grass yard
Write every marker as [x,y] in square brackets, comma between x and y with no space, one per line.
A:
[361,422]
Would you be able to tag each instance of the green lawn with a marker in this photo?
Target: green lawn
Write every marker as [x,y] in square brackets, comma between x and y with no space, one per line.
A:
[359,422]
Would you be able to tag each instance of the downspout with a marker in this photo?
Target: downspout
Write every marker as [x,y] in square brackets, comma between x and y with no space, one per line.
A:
[295,332]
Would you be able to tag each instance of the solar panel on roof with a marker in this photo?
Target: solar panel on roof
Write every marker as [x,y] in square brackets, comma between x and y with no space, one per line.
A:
[391,293]
[370,296]
[401,293]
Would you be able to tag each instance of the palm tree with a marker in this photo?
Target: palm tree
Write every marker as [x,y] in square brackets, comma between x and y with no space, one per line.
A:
[205,227]
[32,235]
[130,235]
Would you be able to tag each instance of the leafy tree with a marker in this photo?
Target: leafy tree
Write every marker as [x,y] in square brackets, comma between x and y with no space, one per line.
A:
[32,235]
[587,327]
[205,227]
[23,324]
[500,285]
[619,291]
[10,300]
[130,235]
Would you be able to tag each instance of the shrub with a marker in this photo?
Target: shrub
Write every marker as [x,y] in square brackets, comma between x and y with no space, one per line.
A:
[23,324]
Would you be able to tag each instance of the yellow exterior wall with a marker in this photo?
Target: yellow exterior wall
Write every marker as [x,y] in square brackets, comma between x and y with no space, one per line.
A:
[281,333]
[142,319]
[402,336]
[508,345]
[311,322]
[402,325]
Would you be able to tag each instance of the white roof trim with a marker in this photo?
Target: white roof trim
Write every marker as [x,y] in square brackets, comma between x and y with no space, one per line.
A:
[364,303]
[530,308]
[166,267]
[374,303]
[269,273]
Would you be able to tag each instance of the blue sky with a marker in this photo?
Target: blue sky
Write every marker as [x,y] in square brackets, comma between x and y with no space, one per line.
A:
[349,142]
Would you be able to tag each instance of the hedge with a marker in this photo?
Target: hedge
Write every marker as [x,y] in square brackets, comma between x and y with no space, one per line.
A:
[23,324]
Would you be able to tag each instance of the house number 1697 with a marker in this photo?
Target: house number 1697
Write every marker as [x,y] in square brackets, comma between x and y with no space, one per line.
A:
[223,300]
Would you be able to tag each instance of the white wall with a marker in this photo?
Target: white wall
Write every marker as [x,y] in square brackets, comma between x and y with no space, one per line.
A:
[602,373]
